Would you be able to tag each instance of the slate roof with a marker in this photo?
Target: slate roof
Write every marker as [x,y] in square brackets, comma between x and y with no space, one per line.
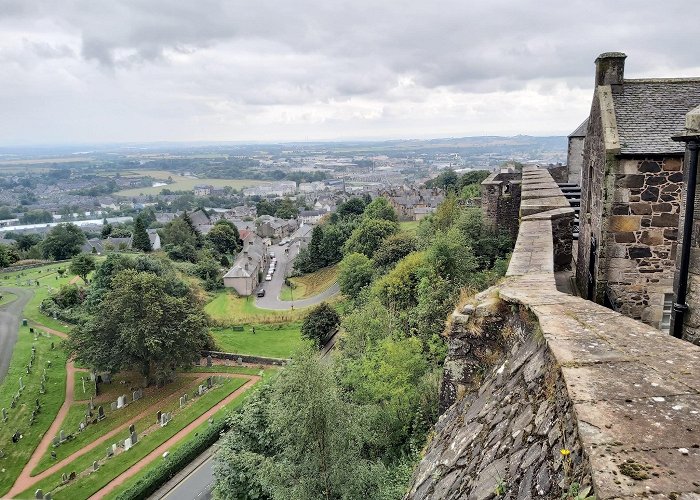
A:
[580,130]
[650,112]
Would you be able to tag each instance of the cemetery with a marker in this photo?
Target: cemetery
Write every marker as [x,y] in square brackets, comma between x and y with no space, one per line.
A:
[51,447]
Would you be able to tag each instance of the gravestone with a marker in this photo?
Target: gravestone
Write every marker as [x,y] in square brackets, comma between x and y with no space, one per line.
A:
[16,437]
[209,360]
[95,465]
[31,329]
[110,452]
[120,402]
[239,361]
[201,390]
[48,496]
[164,419]
[64,478]
[37,404]
[4,414]
[52,346]
[100,413]
[71,476]
[113,405]
[82,427]
[182,403]
[114,447]
[21,384]
[134,437]
[127,444]
[208,382]
[61,437]
[42,389]
[24,322]
[56,441]
[92,404]
[158,417]
[132,429]
[83,380]
[39,494]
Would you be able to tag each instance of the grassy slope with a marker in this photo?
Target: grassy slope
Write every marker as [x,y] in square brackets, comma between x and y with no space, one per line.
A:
[278,341]
[227,308]
[7,297]
[17,455]
[85,486]
[410,226]
[79,395]
[310,284]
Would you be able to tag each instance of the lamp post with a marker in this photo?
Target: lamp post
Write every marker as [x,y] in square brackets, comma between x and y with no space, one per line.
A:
[691,138]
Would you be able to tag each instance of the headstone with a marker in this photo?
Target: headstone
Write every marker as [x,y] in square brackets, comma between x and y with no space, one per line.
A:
[201,390]
[64,478]
[239,361]
[182,403]
[39,494]
[82,426]
[4,414]
[113,405]
[92,404]
[134,437]
[83,380]
[164,419]
[110,453]
[16,437]
[56,441]
[120,402]
[208,382]
[127,444]
[100,413]
[42,389]
[21,384]
[24,322]
[158,417]
[48,496]
[95,465]
[114,447]
[53,455]
[37,404]
[31,329]
[209,360]
[52,346]
[71,476]
[61,437]
[131,428]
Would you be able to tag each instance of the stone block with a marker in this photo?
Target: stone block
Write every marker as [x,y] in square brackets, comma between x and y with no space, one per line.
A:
[628,237]
[672,164]
[640,208]
[665,220]
[650,193]
[652,237]
[649,166]
[624,223]
[629,181]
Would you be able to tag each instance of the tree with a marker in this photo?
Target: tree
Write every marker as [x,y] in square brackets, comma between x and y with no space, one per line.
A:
[141,324]
[62,242]
[36,217]
[447,180]
[356,272]
[320,322]
[82,265]
[394,248]
[451,257]
[380,209]
[140,239]
[224,238]
[354,206]
[8,255]
[26,241]
[369,235]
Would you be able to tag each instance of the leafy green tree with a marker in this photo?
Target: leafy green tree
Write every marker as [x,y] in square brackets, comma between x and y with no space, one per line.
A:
[394,248]
[8,255]
[369,235]
[82,265]
[450,256]
[320,322]
[180,239]
[26,241]
[397,288]
[353,207]
[140,239]
[63,242]
[208,269]
[140,325]
[106,229]
[447,180]
[356,272]
[224,238]
[36,217]
[380,208]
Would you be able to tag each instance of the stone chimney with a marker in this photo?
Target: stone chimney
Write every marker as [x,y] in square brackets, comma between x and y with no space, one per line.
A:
[610,68]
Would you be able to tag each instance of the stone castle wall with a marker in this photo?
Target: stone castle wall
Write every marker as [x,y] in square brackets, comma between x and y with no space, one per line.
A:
[532,371]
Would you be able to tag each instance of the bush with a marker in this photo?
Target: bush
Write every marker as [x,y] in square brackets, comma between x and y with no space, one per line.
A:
[174,463]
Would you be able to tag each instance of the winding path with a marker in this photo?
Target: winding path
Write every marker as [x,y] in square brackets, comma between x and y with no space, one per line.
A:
[10,316]
[273,288]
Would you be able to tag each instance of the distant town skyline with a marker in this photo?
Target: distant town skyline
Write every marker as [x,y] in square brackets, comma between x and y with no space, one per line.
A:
[100,71]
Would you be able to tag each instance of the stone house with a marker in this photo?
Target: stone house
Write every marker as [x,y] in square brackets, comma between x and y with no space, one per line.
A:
[311,216]
[246,272]
[274,228]
[405,201]
[631,191]
[101,246]
[203,189]
[574,153]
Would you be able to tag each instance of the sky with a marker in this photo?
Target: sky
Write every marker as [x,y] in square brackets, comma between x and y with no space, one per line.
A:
[82,71]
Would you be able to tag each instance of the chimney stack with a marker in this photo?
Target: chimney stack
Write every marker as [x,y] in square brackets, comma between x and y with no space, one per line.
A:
[610,68]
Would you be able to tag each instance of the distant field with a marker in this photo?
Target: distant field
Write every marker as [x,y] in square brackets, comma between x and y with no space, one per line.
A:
[181,183]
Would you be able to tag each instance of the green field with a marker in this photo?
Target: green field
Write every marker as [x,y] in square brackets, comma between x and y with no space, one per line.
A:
[17,454]
[182,183]
[310,284]
[78,393]
[410,226]
[89,483]
[228,309]
[274,341]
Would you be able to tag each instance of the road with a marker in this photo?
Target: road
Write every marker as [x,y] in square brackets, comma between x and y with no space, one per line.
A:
[273,288]
[10,316]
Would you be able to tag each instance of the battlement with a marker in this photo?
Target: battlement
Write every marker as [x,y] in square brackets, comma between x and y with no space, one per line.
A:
[532,371]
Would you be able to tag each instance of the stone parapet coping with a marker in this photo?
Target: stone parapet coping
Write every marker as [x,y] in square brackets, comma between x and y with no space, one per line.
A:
[635,390]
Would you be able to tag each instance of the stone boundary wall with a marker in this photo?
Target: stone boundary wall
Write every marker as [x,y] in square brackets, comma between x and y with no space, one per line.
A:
[626,395]
[245,358]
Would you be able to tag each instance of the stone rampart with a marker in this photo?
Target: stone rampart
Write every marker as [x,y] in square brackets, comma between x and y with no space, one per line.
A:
[543,390]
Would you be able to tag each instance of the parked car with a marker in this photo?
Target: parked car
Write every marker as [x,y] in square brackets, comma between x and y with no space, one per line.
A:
[272,255]
[268,278]
[261,292]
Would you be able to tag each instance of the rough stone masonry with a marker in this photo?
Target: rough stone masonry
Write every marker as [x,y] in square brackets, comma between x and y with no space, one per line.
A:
[543,389]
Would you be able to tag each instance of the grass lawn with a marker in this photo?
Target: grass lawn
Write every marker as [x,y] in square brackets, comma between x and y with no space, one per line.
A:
[275,341]
[87,483]
[222,413]
[410,226]
[7,297]
[182,183]
[114,419]
[227,308]
[310,284]
[78,392]
[17,454]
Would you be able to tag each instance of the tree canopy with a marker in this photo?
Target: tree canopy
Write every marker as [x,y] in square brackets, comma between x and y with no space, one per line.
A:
[62,242]
[82,265]
[320,322]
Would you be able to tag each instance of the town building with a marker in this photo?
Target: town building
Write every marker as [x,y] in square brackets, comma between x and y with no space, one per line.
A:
[405,200]
[631,193]
[574,153]
[311,216]
[275,228]
[203,189]
[102,246]
[247,270]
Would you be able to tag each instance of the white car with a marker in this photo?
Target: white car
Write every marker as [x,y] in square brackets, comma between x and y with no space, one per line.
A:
[272,255]
[268,278]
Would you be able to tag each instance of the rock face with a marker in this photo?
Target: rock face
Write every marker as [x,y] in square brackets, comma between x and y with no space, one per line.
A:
[512,418]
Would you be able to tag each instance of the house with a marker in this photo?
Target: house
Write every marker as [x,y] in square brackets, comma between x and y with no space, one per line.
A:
[203,189]
[632,179]
[101,246]
[246,272]
[405,200]
[574,154]
[274,228]
[311,216]
[303,235]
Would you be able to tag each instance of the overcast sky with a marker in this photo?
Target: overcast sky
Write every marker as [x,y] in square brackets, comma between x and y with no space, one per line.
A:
[256,70]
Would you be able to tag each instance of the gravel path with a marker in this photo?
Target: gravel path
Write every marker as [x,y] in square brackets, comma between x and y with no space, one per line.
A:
[10,317]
